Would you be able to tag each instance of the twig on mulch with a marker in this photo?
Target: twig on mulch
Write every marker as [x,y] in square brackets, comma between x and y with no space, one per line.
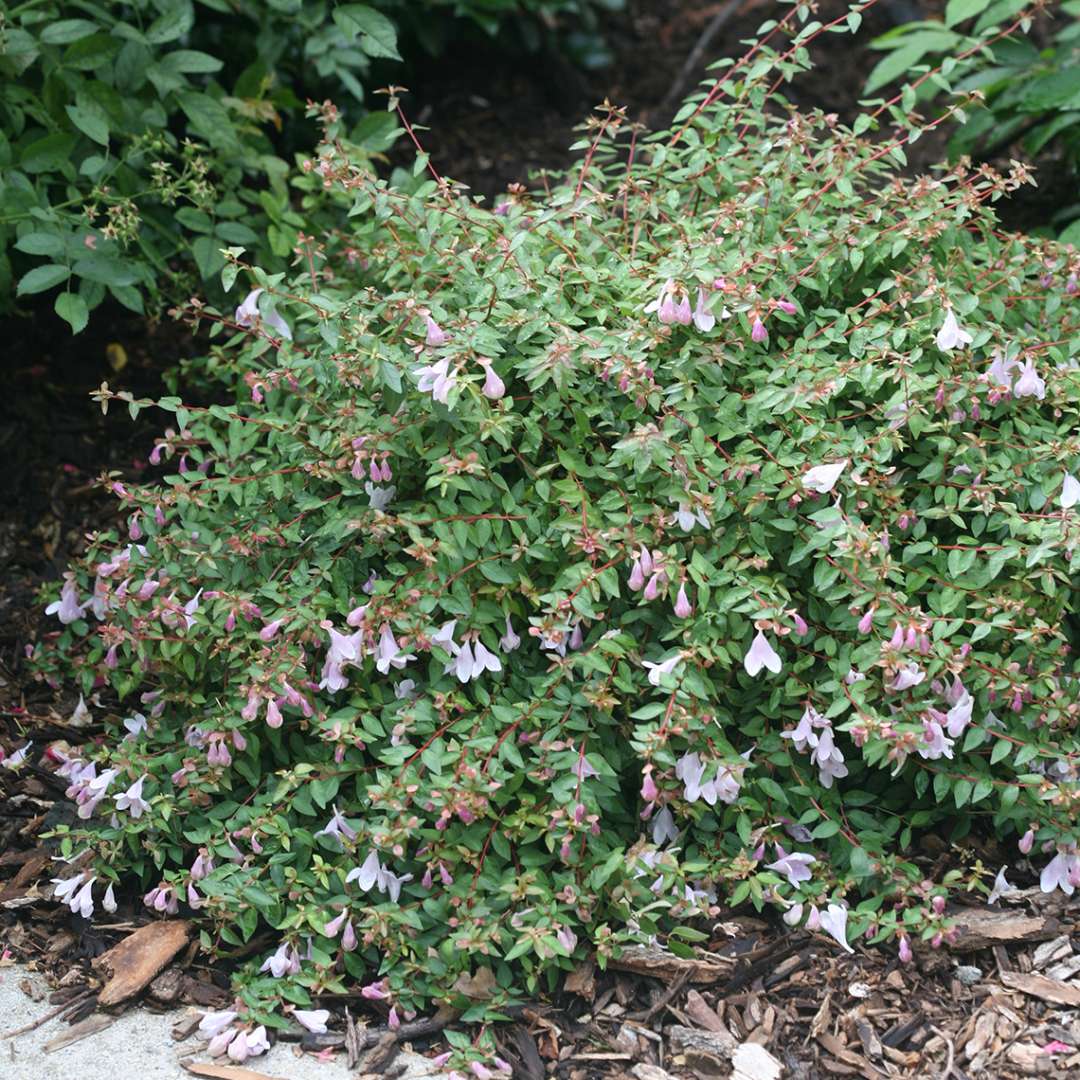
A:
[369,1037]
[67,1006]
[663,999]
[693,60]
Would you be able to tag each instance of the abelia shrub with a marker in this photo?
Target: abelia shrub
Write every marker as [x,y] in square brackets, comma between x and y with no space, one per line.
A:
[698,532]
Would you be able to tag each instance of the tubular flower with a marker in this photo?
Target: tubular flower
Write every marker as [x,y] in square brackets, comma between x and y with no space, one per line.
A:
[951,336]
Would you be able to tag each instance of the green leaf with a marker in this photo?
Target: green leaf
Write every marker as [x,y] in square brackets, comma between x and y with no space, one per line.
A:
[191,62]
[41,278]
[41,243]
[72,308]
[91,120]
[378,33]
[66,31]
[956,11]
[105,270]
[171,24]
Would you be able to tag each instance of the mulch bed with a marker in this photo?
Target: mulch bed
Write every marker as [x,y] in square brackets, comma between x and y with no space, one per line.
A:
[758,997]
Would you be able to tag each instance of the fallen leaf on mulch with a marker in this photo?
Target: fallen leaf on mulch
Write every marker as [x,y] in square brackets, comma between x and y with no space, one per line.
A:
[225,1072]
[135,961]
[582,980]
[1040,986]
[479,987]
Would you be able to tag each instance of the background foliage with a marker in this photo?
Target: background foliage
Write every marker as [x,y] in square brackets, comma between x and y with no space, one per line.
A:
[1032,94]
[138,138]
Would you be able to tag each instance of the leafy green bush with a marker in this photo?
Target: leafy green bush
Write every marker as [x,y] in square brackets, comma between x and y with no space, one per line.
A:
[702,530]
[1032,95]
[140,137]
[125,161]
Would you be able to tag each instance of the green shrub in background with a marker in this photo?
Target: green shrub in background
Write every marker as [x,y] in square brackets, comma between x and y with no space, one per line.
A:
[139,138]
[1032,95]
[131,153]
[701,532]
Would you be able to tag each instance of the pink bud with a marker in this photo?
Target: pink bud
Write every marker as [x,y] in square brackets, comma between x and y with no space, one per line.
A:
[649,790]
[652,589]
[897,639]
[273,714]
[683,608]
[786,306]
[493,387]
[1026,841]
[270,629]
[867,621]
[938,904]
[906,955]
[374,471]
[348,939]
[800,624]
[758,332]
[230,622]
[637,577]
[646,561]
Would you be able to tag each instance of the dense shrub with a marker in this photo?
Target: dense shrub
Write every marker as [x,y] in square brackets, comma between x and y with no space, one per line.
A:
[1032,95]
[699,532]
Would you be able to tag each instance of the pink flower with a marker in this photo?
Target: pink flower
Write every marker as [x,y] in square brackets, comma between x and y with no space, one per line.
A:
[758,332]
[314,1020]
[649,790]
[388,654]
[1026,842]
[1028,384]
[822,478]
[827,756]
[795,867]
[132,800]
[761,654]
[494,387]
[867,621]
[1070,492]
[704,319]
[1061,872]
[67,609]
[509,641]
[436,335]
[664,668]
[786,306]
[437,379]
[637,575]
[652,588]
[683,608]
[951,336]
[904,950]
[834,923]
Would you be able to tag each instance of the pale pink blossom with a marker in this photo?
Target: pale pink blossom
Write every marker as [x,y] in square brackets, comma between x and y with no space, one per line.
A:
[822,478]
[761,654]
[314,1020]
[683,608]
[795,867]
[67,609]
[1028,383]
[834,922]
[1070,492]
[493,387]
[665,667]
[436,336]
[951,335]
